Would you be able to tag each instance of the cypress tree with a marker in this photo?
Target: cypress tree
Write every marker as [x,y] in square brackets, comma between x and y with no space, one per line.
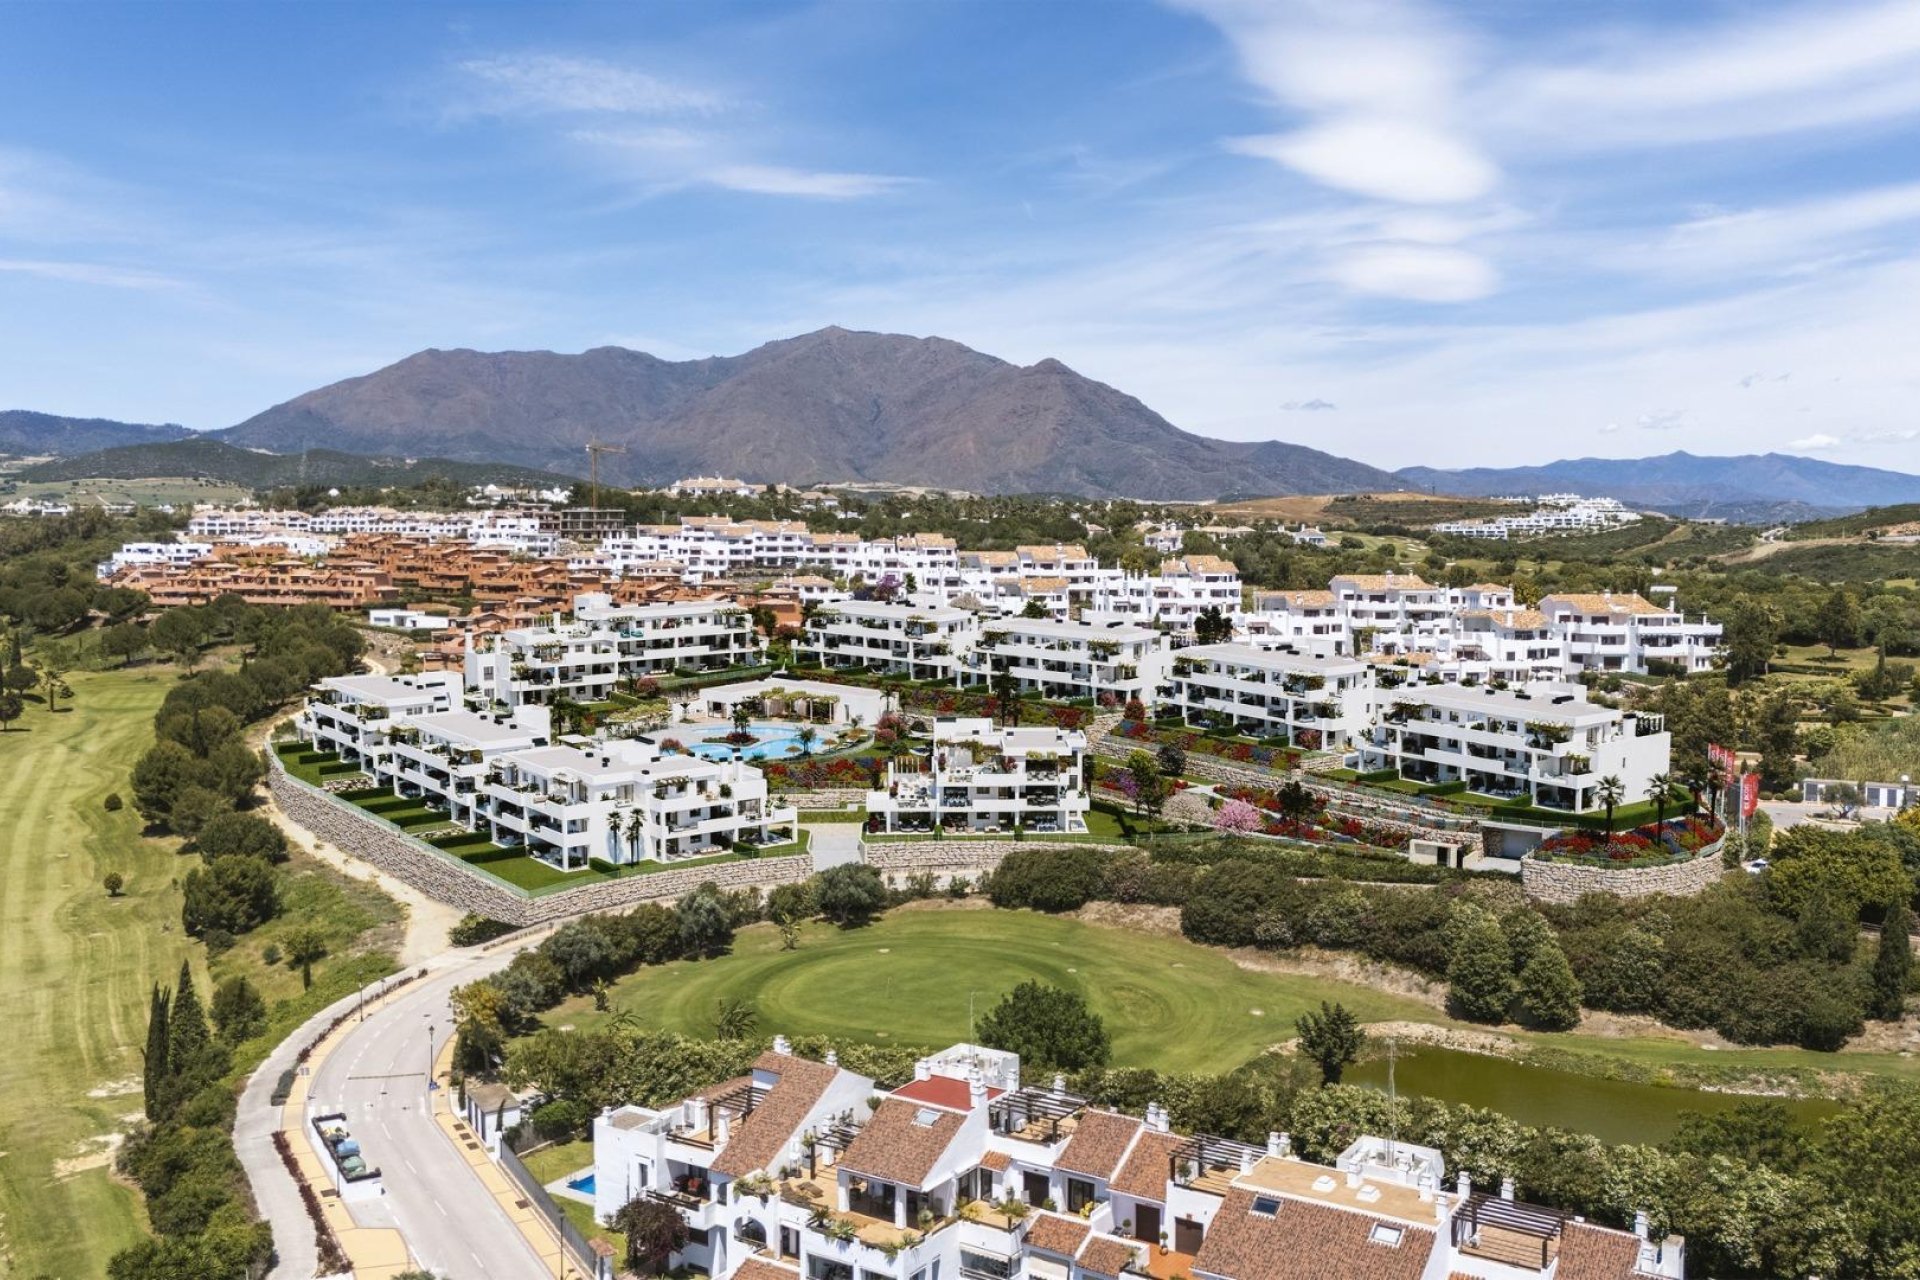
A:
[155,1076]
[1549,991]
[1893,964]
[187,1031]
[1480,973]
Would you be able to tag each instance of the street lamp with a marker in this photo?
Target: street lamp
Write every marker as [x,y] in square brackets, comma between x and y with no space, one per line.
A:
[430,1081]
[1904,802]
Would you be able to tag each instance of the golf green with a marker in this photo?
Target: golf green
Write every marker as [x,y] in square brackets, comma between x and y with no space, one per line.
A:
[913,976]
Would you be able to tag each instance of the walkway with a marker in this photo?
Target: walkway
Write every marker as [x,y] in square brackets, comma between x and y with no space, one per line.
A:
[834,843]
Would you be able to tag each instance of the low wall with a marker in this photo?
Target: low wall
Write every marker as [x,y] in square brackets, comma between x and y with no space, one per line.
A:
[446,879]
[824,798]
[949,858]
[1566,882]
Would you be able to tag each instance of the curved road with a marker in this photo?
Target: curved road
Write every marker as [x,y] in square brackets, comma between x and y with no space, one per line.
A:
[378,1076]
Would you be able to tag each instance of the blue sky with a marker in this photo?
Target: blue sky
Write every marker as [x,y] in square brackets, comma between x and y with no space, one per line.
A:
[1469,234]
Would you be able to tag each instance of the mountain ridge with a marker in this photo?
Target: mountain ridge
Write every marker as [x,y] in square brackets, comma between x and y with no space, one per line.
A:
[30,433]
[832,405]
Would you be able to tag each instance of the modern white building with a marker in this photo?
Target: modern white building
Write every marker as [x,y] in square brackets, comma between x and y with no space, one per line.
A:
[1069,660]
[980,776]
[348,714]
[1544,741]
[176,554]
[802,1170]
[1314,703]
[604,644]
[921,643]
[1626,632]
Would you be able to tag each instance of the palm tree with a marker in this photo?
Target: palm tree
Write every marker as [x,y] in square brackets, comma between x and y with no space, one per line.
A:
[806,737]
[1658,788]
[1610,791]
[636,822]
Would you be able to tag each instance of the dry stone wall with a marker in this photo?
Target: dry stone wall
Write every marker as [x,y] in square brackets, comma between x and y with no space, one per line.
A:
[1566,882]
[949,858]
[446,879]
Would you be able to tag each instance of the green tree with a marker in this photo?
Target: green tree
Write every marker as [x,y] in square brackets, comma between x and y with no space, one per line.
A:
[241,833]
[1660,791]
[305,947]
[1838,621]
[706,926]
[1893,964]
[850,894]
[734,1019]
[807,736]
[1149,785]
[1051,1028]
[1480,972]
[1750,630]
[10,709]
[1034,609]
[1332,1038]
[239,1011]
[1171,759]
[655,1231]
[1610,791]
[113,882]
[155,1073]
[187,1032]
[1549,992]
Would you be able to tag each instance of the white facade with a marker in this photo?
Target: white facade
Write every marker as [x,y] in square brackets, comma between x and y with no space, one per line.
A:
[919,643]
[1068,660]
[1545,742]
[983,777]
[1313,703]
[1624,632]
[587,658]
[348,714]
[177,554]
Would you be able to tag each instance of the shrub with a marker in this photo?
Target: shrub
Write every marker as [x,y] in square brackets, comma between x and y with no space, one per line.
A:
[1049,1027]
[1048,879]
[1480,972]
[113,802]
[472,930]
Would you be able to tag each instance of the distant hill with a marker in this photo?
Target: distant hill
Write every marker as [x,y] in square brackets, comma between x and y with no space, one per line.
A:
[33,435]
[215,460]
[1750,487]
[828,406]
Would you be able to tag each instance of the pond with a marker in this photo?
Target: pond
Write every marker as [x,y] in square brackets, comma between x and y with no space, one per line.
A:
[773,742]
[1611,1110]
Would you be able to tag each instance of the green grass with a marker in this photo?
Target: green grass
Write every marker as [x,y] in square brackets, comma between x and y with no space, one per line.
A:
[908,979]
[76,967]
[559,1160]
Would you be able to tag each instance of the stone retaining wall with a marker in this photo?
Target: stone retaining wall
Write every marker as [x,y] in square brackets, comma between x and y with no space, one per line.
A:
[1565,882]
[949,858]
[825,798]
[446,879]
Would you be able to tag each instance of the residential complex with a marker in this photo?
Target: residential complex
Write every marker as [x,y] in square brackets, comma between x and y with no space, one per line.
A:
[1609,632]
[803,1170]
[1314,703]
[899,639]
[606,644]
[1555,513]
[1070,660]
[505,777]
[984,777]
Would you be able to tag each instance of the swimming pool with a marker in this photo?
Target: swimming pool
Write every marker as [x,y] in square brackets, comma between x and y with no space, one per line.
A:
[776,742]
[584,1184]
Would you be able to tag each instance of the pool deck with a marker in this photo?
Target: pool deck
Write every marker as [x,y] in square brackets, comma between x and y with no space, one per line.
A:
[559,1187]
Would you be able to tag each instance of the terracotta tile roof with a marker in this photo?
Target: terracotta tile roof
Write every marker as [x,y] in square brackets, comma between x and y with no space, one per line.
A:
[1197,564]
[1056,1234]
[1099,1143]
[1593,1253]
[1306,1241]
[764,1269]
[897,1146]
[1293,599]
[1107,1256]
[1042,585]
[998,1161]
[1385,581]
[1145,1172]
[757,1141]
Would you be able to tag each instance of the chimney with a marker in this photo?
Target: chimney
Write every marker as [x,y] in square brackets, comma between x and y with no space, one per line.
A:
[1059,1086]
[782,1045]
[976,1089]
[1464,1185]
[1506,1188]
[1425,1184]
[696,1114]
[833,1057]
[922,1069]
[1279,1145]
[1640,1225]
[1247,1158]
[722,1126]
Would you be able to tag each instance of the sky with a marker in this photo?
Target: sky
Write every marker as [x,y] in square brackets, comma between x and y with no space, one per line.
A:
[1485,233]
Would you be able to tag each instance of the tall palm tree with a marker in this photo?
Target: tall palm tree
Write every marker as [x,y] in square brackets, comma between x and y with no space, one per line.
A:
[1658,787]
[1610,791]
[636,823]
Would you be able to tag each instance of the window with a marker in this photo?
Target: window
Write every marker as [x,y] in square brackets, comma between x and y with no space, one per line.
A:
[1384,1234]
[1265,1206]
[819,1268]
[983,1265]
[1079,1194]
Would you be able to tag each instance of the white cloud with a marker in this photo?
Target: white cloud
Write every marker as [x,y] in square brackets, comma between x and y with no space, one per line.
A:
[1420,273]
[1385,157]
[1815,443]
[1662,420]
[1309,406]
[1780,239]
[92,273]
[541,83]
[778,180]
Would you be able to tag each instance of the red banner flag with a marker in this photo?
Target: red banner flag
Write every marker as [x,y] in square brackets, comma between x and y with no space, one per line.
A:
[1749,794]
[1722,759]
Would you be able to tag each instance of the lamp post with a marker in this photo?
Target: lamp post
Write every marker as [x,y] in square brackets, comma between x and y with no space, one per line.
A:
[430,1080]
[1904,801]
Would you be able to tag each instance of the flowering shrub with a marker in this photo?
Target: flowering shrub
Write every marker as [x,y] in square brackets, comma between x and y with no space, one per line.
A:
[1316,826]
[1674,839]
[814,775]
[1190,742]
[1237,816]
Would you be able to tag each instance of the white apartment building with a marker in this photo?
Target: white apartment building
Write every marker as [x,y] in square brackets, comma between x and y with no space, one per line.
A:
[1188,586]
[1625,632]
[1555,513]
[177,554]
[586,658]
[564,803]
[802,1170]
[1068,660]
[1545,742]
[984,777]
[348,715]
[921,643]
[1314,703]
[1313,622]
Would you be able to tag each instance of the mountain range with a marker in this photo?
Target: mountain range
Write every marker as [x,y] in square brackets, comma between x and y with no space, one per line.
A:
[838,405]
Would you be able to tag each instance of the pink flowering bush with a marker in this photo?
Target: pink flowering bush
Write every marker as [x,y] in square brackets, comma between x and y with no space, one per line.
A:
[1237,817]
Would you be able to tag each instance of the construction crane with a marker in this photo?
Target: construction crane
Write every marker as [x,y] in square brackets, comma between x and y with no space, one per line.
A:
[594,450]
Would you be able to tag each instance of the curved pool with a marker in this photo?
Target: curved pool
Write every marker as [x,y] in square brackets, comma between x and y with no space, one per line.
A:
[775,742]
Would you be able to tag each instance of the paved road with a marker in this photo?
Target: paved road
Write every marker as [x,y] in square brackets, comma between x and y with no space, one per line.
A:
[378,1076]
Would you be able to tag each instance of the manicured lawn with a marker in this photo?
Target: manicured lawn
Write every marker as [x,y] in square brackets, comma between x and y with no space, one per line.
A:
[909,978]
[76,968]
[560,1160]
